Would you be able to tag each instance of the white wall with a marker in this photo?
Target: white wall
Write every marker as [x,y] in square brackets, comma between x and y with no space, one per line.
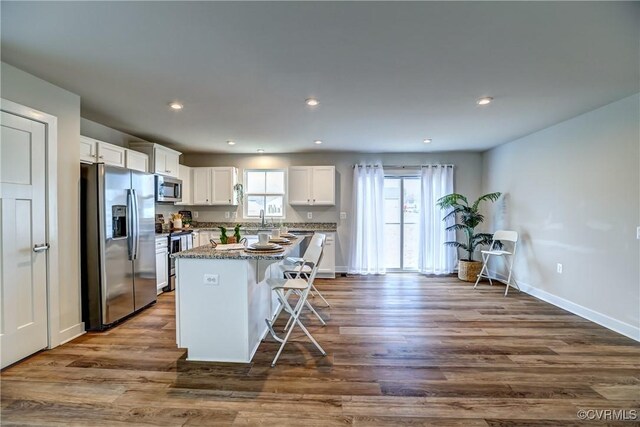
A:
[26,89]
[572,191]
[467,180]
[104,133]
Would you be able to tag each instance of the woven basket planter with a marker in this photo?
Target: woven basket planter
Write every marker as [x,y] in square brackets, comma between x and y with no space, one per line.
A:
[469,270]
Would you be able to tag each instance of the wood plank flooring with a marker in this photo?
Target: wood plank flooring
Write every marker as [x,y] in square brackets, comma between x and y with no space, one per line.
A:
[402,350]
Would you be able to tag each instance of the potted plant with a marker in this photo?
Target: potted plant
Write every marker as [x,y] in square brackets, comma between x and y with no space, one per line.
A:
[468,218]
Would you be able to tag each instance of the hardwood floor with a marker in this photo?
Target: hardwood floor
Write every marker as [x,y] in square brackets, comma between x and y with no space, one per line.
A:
[402,350]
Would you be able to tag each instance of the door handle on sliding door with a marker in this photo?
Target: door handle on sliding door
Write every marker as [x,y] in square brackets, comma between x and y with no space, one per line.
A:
[41,248]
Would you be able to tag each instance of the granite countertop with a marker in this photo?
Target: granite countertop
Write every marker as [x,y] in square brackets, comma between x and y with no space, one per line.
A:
[207,252]
[253,226]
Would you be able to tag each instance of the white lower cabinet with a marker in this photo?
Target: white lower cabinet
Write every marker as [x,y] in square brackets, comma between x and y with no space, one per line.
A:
[327,267]
[162,263]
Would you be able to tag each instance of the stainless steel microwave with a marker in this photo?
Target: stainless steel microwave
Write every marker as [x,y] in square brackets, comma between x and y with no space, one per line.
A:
[168,189]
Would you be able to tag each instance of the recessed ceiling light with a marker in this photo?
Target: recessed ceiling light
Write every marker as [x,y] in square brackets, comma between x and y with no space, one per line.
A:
[176,106]
[260,150]
[317,141]
[484,100]
[427,141]
[231,142]
[311,102]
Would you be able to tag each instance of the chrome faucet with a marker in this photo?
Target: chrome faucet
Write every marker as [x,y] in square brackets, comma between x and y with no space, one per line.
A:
[262,218]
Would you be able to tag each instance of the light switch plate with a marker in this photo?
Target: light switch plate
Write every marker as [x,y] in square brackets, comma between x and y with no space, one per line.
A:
[234,215]
[343,215]
[226,215]
[309,215]
[559,268]
[211,279]
[638,233]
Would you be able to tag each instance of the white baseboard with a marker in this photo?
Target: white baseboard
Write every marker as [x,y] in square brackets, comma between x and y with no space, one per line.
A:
[70,333]
[615,325]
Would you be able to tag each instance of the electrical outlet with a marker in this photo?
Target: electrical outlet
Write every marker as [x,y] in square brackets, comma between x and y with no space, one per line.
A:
[211,279]
[234,215]
[559,268]
[309,215]
[227,215]
[343,215]
[195,214]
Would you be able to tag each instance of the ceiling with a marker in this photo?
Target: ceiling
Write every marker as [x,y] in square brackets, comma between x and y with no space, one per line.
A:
[387,74]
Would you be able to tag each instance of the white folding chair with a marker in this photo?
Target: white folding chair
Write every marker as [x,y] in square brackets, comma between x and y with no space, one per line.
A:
[502,236]
[283,289]
[295,268]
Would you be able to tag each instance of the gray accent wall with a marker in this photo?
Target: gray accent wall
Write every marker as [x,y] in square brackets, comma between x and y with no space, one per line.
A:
[572,192]
[467,180]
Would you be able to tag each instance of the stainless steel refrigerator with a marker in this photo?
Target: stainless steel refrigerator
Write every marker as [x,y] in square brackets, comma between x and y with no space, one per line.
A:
[118,244]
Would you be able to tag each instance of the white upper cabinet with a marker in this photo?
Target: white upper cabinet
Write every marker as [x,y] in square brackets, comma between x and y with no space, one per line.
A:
[312,185]
[110,154]
[323,185]
[88,150]
[165,161]
[214,186]
[222,182]
[184,174]
[136,161]
[201,185]
[94,151]
[299,185]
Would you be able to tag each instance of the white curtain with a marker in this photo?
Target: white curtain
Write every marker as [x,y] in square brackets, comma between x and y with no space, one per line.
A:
[434,256]
[367,245]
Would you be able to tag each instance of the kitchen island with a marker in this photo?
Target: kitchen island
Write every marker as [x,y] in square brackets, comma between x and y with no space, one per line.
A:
[221,306]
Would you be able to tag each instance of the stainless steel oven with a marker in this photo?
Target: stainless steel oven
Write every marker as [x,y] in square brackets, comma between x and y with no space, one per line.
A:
[178,241]
[168,189]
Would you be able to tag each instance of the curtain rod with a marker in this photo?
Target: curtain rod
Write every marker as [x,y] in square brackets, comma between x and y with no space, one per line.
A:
[402,167]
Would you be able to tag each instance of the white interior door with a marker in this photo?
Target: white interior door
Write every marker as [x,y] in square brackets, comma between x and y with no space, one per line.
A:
[23,250]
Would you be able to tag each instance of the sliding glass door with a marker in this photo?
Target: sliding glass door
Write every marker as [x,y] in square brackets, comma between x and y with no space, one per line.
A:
[401,222]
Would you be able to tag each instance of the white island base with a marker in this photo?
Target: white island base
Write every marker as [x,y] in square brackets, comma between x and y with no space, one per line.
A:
[221,306]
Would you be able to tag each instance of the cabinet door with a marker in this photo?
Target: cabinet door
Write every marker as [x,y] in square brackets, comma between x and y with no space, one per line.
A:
[160,161]
[222,182]
[184,174]
[300,185]
[110,154]
[136,161]
[327,267]
[171,163]
[88,149]
[162,269]
[201,181]
[323,185]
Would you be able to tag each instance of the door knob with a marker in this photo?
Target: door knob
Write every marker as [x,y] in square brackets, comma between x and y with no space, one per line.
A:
[41,248]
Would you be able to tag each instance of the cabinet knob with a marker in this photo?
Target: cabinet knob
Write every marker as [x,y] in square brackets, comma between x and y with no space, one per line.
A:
[101,157]
[314,200]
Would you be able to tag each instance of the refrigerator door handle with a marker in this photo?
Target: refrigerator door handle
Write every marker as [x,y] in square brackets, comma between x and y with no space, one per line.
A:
[136,236]
[130,231]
